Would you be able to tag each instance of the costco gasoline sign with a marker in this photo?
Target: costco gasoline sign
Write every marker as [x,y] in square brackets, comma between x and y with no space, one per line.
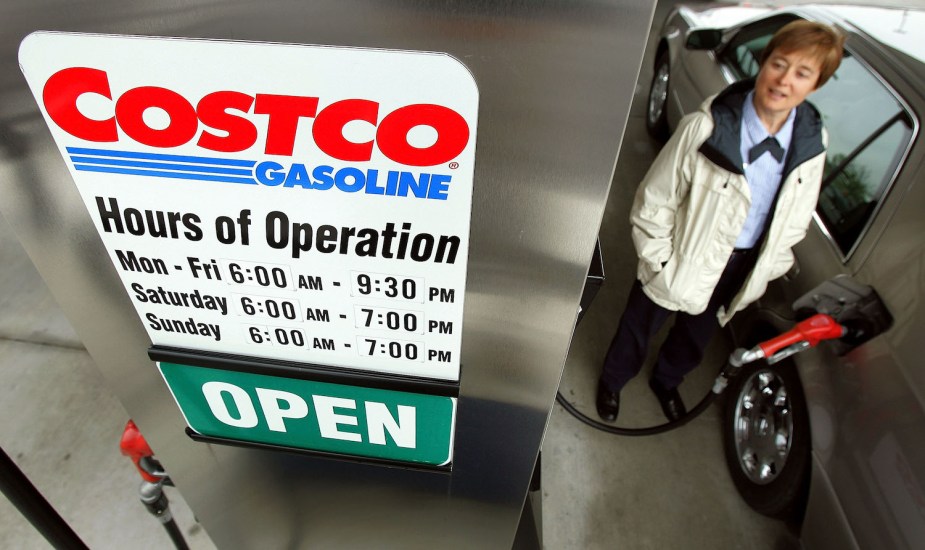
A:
[292,202]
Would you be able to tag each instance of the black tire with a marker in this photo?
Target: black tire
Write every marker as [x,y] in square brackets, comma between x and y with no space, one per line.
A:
[766,439]
[657,101]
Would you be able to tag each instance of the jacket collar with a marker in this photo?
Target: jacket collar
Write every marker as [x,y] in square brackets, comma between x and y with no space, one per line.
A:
[722,147]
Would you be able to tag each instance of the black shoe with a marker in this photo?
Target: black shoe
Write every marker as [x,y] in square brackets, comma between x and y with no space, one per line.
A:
[671,402]
[608,403]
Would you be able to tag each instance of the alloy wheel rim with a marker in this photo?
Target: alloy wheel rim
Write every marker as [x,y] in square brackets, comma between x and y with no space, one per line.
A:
[763,427]
[658,95]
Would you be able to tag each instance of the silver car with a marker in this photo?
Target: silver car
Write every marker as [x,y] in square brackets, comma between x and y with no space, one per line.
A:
[834,436]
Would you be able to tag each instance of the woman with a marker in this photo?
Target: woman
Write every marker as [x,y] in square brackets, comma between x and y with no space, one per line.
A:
[716,216]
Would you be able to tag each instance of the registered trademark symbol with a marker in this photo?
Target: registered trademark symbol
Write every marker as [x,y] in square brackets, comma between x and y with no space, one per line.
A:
[454,165]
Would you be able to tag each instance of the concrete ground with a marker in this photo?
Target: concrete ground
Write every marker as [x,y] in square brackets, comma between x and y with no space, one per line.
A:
[62,425]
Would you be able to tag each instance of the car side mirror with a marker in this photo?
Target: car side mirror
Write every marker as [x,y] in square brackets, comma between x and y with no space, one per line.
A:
[703,39]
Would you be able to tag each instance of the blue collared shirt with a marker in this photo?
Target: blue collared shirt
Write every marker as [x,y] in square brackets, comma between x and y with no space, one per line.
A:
[763,175]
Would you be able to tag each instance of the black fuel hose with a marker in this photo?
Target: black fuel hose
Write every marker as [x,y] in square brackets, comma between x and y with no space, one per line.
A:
[652,430]
[726,372]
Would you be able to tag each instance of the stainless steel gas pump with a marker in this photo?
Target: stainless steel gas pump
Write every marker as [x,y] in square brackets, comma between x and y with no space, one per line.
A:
[329,255]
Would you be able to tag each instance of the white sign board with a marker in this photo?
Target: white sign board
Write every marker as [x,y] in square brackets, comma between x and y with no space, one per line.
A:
[292,202]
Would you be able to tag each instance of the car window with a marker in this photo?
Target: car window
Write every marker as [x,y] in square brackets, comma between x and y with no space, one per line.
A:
[746,56]
[743,53]
[869,132]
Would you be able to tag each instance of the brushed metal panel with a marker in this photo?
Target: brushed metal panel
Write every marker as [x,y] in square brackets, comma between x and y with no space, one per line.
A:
[555,82]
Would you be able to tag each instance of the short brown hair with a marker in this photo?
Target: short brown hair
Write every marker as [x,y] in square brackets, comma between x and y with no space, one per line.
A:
[821,41]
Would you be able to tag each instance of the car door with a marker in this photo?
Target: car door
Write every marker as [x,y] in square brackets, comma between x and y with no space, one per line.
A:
[699,76]
[866,417]
[865,413]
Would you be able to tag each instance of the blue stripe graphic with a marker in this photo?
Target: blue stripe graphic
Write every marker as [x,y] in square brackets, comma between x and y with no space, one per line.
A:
[159,174]
[156,157]
[161,165]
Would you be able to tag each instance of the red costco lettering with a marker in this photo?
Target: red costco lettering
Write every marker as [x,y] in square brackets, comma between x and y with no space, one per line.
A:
[60,99]
[328,129]
[131,107]
[213,112]
[226,127]
[452,132]
[284,112]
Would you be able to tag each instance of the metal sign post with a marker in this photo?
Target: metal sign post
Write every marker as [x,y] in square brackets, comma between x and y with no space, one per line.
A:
[329,255]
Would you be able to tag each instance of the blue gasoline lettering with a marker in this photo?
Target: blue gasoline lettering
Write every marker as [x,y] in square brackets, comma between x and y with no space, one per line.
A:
[365,242]
[354,180]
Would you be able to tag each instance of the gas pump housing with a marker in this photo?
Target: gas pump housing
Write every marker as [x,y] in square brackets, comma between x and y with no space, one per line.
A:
[553,82]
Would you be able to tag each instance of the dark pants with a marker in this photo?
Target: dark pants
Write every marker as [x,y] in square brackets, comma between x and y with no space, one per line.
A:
[683,349]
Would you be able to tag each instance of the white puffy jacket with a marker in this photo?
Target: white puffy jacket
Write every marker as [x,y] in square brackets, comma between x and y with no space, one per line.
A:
[691,206]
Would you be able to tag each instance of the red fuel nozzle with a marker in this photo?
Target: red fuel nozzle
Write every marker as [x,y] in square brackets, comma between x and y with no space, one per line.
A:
[134,446]
[817,328]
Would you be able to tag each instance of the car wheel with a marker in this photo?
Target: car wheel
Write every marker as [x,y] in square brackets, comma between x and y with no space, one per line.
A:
[657,107]
[767,440]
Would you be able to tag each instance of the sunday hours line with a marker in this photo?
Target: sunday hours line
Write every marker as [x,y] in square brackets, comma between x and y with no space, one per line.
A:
[184,326]
[282,233]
